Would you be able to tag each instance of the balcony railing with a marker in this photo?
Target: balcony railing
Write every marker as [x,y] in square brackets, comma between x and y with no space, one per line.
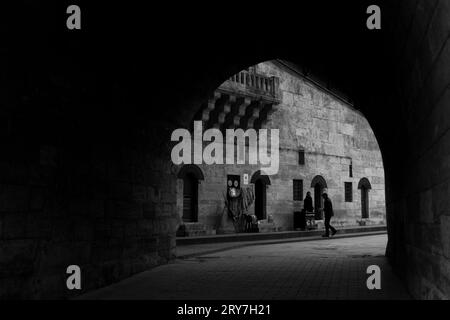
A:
[253,83]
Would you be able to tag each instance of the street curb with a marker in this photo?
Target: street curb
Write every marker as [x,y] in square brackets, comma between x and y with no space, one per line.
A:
[278,241]
[181,241]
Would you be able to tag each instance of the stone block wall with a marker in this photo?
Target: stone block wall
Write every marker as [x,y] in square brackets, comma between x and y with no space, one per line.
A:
[97,211]
[418,203]
[331,133]
[79,185]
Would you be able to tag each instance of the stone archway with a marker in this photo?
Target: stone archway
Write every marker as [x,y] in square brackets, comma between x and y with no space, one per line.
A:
[364,185]
[190,169]
[318,184]
[191,176]
[397,76]
[261,183]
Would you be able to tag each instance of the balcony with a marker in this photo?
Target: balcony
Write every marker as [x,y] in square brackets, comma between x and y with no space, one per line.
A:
[245,100]
[253,85]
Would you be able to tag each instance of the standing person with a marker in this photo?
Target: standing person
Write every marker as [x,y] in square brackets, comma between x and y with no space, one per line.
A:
[328,211]
[307,209]
[308,203]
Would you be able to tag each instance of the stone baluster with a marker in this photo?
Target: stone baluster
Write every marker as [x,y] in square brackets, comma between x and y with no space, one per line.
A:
[275,86]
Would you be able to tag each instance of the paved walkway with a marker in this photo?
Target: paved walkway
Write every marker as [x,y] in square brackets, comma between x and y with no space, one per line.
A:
[318,269]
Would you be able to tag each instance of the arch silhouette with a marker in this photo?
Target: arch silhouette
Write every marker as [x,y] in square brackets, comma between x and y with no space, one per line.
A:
[364,183]
[319,180]
[190,169]
[258,175]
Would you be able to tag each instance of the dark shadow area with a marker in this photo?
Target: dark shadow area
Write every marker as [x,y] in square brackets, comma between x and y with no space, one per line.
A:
[85,167]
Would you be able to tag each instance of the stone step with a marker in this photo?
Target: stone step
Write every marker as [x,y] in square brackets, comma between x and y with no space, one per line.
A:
[195,229]
[194,226]
[195,233]
[271,235]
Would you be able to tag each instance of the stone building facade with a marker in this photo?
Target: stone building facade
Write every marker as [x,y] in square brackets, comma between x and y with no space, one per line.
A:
[325,145]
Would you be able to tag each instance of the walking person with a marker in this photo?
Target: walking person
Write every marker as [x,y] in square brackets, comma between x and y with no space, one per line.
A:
[328,212]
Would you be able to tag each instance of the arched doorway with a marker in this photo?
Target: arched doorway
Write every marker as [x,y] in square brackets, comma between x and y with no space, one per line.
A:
[190,198]
[365,186]
[319,185]
[260,199]
[261,182]
[191,175]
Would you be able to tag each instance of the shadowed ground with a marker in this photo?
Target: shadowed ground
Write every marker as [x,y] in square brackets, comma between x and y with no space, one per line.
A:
[318,269]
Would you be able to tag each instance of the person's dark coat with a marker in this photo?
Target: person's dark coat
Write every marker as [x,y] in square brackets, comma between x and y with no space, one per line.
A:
[328,208]
[308,204]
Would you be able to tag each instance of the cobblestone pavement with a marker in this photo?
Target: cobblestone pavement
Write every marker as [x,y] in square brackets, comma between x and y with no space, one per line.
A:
[319,269]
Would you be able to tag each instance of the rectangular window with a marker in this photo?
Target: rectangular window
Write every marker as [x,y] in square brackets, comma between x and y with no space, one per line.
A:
[350,170]
[348,191]
[298,190]
[301,157]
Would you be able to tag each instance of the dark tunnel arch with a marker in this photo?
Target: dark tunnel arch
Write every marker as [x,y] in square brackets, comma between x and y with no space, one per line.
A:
[397,76]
